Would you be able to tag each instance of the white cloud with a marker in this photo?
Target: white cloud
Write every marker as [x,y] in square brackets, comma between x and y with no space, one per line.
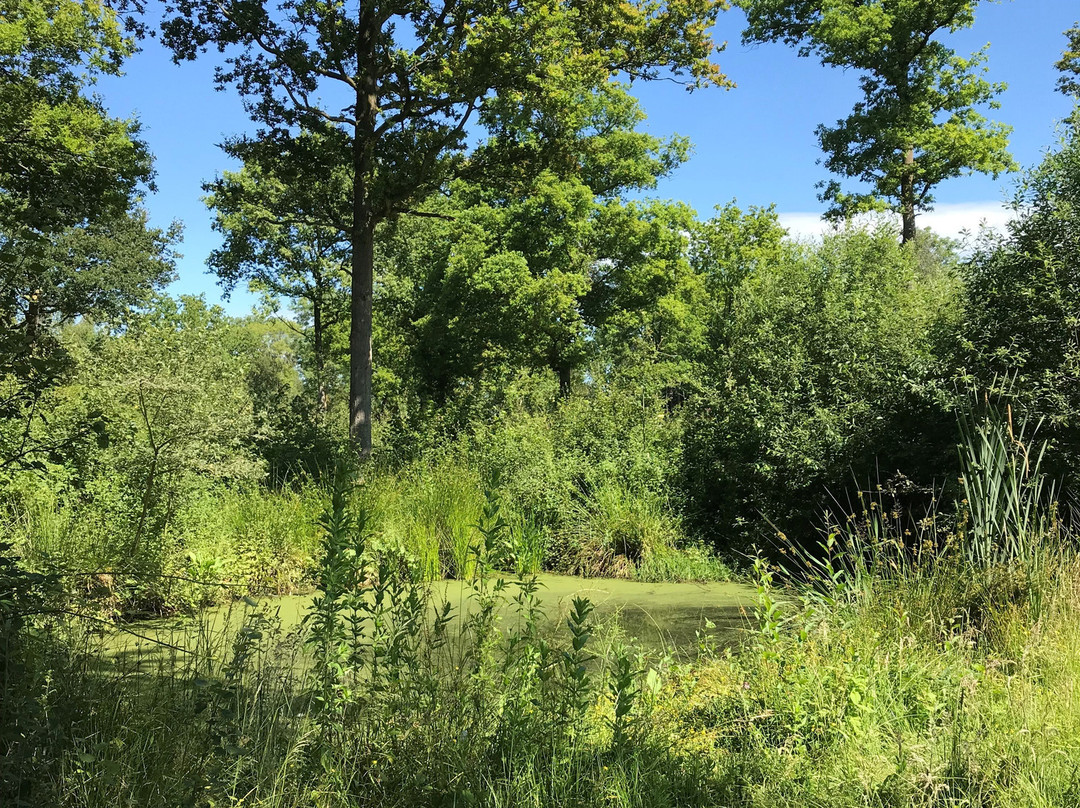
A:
[946,220]
[952,220]
[804,225]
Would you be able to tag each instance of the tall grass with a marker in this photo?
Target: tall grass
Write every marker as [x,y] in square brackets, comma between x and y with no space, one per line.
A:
[220,543]
[616,531]
[1010,524]
[892,677]
[388,705]
[217,542]
[432,513]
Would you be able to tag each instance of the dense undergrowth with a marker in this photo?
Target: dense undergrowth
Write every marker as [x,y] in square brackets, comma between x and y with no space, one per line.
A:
[896,665]
[253,540]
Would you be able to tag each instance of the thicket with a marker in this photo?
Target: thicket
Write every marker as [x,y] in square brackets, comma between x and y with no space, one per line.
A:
[908,668]
[209,433]
[181,442]
[567,380]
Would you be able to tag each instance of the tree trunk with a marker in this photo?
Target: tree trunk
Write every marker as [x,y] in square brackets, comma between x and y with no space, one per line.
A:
[907,196]
[34,319]
[363,239]
[360,340]
[320,361]
[564,381]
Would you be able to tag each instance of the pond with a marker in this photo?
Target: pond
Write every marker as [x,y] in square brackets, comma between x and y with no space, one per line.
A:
[661,617]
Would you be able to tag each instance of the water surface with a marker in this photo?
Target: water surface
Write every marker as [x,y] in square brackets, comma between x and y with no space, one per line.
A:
[664,617]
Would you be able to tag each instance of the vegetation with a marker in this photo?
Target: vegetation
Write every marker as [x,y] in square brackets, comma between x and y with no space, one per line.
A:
[412,79]
[481,360]
[1069,64]
[904,671]
[918,123]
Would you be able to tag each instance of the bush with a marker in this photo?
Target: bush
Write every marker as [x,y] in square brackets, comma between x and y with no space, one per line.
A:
[1023,305]
[613,530]
[825,368]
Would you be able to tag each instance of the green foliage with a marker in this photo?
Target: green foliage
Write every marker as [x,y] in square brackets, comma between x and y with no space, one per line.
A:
[168,387]
[522,277]
[64,161]
[220,544]
[612,530]
[285,236]
[1007,498]
[1069,64]
[732,246]
[1022,300]
[409,82]
[99,269]
[686,561]
[169,488]
[590,477]
[73,241]
[892,678]
[824,367]
[918,123]
[647,306]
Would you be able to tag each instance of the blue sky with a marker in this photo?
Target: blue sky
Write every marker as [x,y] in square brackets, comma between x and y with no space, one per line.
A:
[754,144]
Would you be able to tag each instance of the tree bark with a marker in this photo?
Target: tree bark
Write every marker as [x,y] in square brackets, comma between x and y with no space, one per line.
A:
[907,196]
[564,381]
[363,240]
[320,360]
[34,319]
[360,364]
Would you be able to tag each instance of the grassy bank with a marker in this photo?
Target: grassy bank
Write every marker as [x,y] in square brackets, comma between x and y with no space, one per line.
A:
[212,543]
[902,661]
[892,676]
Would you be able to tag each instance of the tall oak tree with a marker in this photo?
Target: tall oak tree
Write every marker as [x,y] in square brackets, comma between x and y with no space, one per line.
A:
[408,81]
[918,122]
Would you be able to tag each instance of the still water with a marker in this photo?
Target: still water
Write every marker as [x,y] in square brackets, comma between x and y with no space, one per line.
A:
[661,617]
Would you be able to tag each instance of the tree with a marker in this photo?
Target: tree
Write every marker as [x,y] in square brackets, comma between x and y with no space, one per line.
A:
[820,371]
[1069,64]
[168,386]
[285,234]
[63,160]
[918,123]
[1023,304]
[648,306]
[412,78]
[501,278]
[72,239]
[98,269]
[64,163]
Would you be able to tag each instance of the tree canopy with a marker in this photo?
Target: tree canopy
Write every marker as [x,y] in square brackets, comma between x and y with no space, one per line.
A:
[403,82]
[63,160]
[285,234]
[918,122]
[1069,64]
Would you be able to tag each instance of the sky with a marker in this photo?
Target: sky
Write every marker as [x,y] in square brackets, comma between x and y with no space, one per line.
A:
[754,144]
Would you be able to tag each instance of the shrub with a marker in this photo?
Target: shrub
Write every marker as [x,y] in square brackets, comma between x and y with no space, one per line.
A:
[1022,302]
[825,366]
